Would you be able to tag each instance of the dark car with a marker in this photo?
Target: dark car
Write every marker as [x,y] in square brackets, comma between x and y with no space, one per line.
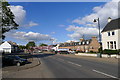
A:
[62,52]
[13,60]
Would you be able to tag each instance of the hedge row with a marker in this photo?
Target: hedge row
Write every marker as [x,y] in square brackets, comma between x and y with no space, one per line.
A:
[108,51]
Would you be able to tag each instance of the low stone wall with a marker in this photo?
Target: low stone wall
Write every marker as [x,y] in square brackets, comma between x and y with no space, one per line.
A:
[95,55]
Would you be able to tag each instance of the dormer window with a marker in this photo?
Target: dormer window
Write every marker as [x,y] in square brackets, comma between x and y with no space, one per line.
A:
[87,42]
[108,33]
[75,44]
[83,42]
[113,33]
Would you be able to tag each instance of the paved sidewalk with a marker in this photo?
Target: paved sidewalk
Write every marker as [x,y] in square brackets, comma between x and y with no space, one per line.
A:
[33,63]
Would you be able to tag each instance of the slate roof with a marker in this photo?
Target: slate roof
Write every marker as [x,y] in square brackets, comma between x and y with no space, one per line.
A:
[75,43]
[12,43]
[114,24]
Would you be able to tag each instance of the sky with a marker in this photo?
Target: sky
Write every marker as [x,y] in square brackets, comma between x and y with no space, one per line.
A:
[47,22]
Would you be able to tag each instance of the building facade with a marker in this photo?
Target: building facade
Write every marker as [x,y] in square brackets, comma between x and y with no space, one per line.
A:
[82,45]
[9,47]
[111,35]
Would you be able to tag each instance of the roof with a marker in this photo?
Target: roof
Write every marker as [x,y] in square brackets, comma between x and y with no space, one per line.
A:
[112,25]
[76,43]
[12,43]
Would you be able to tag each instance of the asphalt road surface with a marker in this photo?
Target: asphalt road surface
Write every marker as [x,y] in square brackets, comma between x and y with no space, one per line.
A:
[59,66]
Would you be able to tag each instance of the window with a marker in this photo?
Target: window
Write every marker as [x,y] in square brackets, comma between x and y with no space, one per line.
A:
[115,44]
[113,33]
[91,47]
[87,42]
[74,43]
[108,44]
[108,33]
[79,43]
[111,45]
[83,42]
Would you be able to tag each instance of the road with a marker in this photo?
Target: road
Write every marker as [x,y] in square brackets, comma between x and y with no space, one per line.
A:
[59,66]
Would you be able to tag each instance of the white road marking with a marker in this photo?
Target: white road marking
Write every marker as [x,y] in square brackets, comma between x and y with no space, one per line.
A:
[104,73]
[67,61]
[74,64]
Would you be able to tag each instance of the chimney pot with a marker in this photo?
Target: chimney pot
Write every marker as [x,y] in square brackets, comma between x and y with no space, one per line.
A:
[94,38]
[109,19]
[81,39]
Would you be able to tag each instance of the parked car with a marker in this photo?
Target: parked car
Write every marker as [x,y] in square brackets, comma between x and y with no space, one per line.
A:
[13,60]
[40,51]
[62,52]
[72,52]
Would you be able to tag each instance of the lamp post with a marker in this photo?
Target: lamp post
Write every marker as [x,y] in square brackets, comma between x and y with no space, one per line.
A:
[97,20]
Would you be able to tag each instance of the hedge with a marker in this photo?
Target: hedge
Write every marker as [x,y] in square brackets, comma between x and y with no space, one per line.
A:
[108,51]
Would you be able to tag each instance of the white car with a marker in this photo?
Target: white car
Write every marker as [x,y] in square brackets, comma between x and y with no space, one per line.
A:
[71,52]
[39,51]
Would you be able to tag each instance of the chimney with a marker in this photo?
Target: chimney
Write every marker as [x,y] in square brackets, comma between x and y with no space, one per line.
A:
[81,39]
[109,19]
[94,38]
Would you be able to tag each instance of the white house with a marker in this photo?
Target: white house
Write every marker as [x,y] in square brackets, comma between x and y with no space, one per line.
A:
[111,35]
[8,47]
[56,47]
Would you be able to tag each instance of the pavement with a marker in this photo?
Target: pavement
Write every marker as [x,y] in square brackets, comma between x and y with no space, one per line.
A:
[67,66]
[33,62]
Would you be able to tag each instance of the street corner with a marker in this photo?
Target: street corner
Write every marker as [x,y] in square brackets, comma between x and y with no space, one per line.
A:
[32,62]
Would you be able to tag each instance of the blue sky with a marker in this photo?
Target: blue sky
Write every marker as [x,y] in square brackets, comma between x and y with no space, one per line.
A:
[53,18]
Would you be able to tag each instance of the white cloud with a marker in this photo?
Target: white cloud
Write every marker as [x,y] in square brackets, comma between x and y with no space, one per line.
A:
[89,28]
[72,41]
[31,24]
[52,32]
[19,13]
[78,32]
[72,28]
[91,25]
[110,9]
[79,21]
[29,36]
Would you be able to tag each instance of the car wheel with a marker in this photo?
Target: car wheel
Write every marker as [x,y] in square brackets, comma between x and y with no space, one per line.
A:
[18,64]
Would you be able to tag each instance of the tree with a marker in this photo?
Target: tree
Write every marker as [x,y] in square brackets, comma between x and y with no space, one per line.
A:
[30,44]
[43,44]
[22,47]
[7,22]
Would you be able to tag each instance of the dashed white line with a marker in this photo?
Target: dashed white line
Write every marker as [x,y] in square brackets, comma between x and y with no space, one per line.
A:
[74,64]
[104,73]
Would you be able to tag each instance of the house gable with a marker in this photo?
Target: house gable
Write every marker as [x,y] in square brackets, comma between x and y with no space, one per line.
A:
[5,45]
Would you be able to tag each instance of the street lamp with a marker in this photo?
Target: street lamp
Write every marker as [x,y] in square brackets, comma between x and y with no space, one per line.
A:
[97,20]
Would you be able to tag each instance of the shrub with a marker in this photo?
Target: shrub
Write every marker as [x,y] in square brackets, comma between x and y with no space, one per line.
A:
[108,51]
[78,51]
[91,52]
[100,50]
